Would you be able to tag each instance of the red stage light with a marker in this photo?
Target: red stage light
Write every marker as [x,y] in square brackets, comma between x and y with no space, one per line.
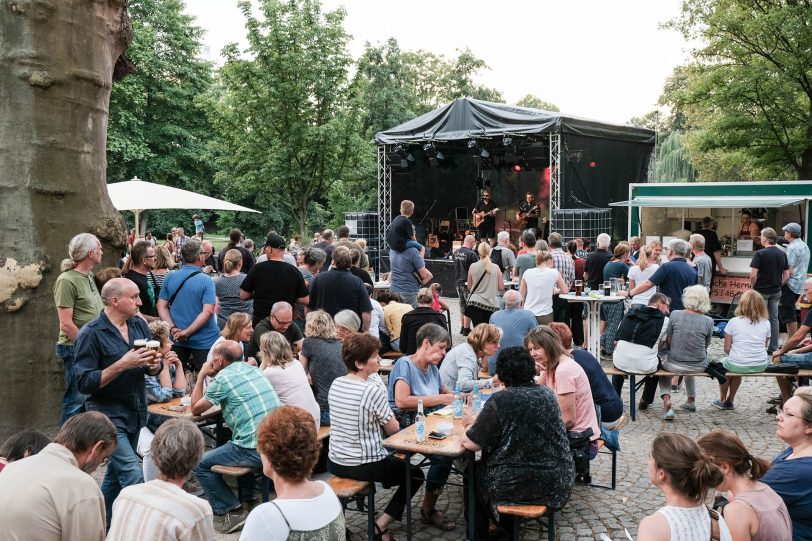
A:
[593,164]
[517,167]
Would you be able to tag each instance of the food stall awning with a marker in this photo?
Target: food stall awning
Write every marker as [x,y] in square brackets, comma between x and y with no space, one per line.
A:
[742,201]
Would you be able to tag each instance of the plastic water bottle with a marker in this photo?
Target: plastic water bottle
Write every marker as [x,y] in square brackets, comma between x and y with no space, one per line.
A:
[476,398]
[458,403]
[420,423]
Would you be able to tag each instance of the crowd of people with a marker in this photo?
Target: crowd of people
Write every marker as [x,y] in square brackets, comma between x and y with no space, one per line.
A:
[291,340]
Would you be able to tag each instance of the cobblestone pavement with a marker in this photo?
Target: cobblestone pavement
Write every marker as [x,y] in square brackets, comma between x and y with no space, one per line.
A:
[593,511]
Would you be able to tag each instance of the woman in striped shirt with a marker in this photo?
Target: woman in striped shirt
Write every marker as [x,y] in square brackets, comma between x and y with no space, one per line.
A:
[359,411]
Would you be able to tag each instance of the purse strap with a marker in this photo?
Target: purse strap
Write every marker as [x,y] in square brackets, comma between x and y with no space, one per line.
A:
[476,285]
[183,283]
[714,524]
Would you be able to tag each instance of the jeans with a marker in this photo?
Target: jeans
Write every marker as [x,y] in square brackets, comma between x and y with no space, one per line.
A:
[408,298]
[772,301]
[438,473]
[218,493]
[74,401]
[123,469]
[192,359]
[325,418]
[803,360]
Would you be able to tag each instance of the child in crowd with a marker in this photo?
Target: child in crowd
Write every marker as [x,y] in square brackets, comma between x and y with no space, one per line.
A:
[401,234]
[198,226]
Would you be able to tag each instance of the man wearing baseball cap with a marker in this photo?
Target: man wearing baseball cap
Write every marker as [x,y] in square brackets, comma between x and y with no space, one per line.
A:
[273,280]
[798,260]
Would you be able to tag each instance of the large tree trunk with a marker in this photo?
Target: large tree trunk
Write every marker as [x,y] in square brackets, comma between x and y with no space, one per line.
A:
[57,63]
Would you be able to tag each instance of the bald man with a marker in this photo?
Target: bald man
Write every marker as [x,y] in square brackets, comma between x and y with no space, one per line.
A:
[110,369]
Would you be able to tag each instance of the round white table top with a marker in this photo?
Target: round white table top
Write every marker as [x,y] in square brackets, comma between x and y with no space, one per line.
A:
[586,298]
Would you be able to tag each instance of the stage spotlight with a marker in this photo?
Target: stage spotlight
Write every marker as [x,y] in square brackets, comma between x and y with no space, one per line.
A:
[406,157]
[434,156]
[593,164]
[517,167]
[507,141]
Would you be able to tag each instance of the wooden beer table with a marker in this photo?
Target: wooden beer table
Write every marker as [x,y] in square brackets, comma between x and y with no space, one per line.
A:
[405,442]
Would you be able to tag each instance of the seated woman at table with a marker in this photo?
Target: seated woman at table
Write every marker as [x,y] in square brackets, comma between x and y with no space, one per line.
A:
[754,512]
[461,365]
[526,456]
[321,357]
[688,337]
[286,374]
[168,384]
[303,509]
[415,378]
[412,321]
[610,406]
[684,474]
[568,381]
[239,328]
[538,285]
[794,463]
[360,411]
[746,339]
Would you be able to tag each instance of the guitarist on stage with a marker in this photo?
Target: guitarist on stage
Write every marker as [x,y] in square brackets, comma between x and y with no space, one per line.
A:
[485,217]
[528,215]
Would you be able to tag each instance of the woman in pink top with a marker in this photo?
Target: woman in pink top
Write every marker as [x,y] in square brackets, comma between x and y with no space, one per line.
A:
[567,379]
[286,374]
[755,511]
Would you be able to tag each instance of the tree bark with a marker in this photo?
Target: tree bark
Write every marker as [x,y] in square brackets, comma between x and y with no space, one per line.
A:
[57,63]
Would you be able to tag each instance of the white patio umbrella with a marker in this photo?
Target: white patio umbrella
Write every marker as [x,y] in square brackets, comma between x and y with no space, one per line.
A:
[137,196]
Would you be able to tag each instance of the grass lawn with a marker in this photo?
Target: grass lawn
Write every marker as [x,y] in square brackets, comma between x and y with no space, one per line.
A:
[217,241]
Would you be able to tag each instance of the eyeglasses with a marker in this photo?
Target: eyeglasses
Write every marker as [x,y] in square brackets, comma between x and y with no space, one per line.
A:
[282,323]
[784,413]
[206,253]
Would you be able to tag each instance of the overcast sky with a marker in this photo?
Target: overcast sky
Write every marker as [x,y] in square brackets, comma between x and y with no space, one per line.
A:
[596,59]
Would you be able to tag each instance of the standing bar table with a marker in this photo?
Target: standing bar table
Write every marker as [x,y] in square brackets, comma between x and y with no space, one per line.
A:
[593,308]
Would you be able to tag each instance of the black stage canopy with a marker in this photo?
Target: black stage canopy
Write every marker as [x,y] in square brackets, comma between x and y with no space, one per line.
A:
[466,118]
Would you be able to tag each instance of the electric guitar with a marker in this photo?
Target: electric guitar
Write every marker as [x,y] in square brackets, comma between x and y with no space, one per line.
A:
[479,217]
[532,212]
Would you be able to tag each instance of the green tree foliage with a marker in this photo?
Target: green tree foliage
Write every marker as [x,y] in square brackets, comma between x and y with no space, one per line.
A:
[156,131]
[672,164]
[747,97]
[533,101]
[436,80]
[285,112]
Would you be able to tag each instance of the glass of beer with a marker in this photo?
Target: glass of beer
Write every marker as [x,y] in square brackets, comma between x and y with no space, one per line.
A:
[607,288]
[579,287]
[140,343]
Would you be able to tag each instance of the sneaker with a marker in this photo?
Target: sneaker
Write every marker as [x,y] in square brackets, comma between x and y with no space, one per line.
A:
[718,404]
[642,405]
[669,415]
[675,389]
[772,409]
[775,400]
[465,332]
[729,406]
[231,521]
[688,406]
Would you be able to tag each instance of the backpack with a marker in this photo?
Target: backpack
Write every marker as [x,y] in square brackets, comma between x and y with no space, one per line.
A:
[497,257]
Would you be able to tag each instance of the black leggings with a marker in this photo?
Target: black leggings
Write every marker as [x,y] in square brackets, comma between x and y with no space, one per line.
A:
[389,472]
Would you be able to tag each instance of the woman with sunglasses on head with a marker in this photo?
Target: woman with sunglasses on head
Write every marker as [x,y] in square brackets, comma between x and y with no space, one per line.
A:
[791,471]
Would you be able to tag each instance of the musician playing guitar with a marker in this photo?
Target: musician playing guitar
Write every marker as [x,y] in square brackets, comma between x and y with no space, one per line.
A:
[529,211]
[485,216]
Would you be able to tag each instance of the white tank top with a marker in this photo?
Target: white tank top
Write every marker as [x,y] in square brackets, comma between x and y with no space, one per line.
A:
[692,523]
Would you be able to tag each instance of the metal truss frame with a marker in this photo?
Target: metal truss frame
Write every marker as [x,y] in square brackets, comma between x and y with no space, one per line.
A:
[384,202]
[556,172]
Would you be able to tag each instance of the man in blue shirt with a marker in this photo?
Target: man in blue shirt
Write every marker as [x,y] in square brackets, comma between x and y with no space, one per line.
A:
[187,302]
[672,277]
[111,371]
[798,261]
[515,322]
[405,268]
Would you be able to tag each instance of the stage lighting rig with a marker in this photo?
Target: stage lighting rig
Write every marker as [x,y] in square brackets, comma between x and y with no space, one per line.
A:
[406,157]
[433,155]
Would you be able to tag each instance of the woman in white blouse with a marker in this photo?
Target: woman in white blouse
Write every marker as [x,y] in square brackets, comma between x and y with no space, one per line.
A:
[286,374]
[538,287]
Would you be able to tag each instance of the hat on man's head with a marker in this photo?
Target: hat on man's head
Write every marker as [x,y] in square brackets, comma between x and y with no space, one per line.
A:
[793,229]
[275,240]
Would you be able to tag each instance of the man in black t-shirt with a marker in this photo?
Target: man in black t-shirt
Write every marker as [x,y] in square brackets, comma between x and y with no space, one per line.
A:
[596,261]
[463,259]
[280,320]
[529,212]
[143,262]
[769,270]
[273,280]
[339,290]
[486,210]
[712,245]
[235,237]
[326,244]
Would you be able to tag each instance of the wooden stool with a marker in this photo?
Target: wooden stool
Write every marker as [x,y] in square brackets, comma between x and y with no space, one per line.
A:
[350,489]
[239,471]
[529,512]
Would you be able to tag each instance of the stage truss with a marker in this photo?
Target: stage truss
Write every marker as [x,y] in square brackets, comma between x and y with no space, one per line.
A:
[556,172]
[384,202]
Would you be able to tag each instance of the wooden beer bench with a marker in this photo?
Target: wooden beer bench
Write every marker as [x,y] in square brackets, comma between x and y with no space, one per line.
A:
[634,385]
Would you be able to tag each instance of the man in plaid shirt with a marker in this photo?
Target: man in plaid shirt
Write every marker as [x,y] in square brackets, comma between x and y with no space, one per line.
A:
[562,262]
[246,397]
